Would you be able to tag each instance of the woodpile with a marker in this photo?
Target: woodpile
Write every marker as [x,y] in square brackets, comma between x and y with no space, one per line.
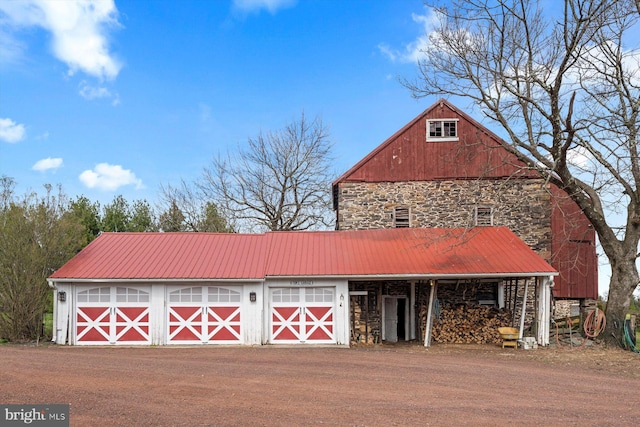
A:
[361,332]
[469,325]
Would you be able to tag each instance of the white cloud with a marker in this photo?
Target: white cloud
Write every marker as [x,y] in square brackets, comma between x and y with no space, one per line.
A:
[92,92]
[98,92]
[42,137]
[46,164]
[79,30]
[580,157]
[109,177]
[256,5]
[412,51]
[11,131]
[10,48]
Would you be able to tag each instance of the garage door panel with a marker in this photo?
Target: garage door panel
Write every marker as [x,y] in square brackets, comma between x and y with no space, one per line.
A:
[320,314]
[132,324]
[224,314]
[319,323]
[132,314]
[185,324]
[287,333]
[93,324]
[319,333]
[112,315]
[93,314]
[302,315]
[92,334]
[205,315]
[132,334]
[184,333]
[184,314]
[223,323]
[286,314]
[285,324]
[225,333]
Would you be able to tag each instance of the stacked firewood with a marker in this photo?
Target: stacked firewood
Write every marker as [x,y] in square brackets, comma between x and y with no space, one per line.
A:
[466,324]
[361,333]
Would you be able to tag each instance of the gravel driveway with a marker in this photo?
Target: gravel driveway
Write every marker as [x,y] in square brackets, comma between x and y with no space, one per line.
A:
[363,386]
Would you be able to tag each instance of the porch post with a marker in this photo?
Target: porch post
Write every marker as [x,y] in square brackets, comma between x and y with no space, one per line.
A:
[412,310]
[501,294]
[524,308]
[427,333]
[544,310]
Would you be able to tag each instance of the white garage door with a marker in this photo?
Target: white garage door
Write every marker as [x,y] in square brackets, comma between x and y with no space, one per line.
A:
[112,315]
[302,315]
[204,314]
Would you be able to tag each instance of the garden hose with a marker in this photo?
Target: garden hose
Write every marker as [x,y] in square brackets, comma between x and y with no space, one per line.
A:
[594,323]
[629,336]
[593,326]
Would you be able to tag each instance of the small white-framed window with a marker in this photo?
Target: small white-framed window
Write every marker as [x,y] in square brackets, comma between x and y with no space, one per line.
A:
[131,295]
[442,130]
[186,295]
[483,216]
[223,295]
[401,217]
[318,295]
[95,295]
[286,295]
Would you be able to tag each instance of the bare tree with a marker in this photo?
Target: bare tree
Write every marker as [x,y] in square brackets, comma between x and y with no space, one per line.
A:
[185,208]
[281,181]
[565,88]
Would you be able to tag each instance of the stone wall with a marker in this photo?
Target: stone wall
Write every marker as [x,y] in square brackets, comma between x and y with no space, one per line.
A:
[522,205]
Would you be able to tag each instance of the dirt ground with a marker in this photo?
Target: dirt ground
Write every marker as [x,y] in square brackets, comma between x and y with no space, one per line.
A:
[406,385]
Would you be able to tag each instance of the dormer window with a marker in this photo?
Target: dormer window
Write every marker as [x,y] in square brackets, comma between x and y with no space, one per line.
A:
[442,130]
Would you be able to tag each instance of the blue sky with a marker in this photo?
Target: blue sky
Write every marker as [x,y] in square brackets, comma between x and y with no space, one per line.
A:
[112,98]
[109,98]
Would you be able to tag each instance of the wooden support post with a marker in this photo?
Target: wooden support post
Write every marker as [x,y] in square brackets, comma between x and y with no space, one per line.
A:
[427,333]
[524,307]
[412,310]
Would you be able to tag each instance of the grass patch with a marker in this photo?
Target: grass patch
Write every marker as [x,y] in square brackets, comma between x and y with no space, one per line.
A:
[47,322]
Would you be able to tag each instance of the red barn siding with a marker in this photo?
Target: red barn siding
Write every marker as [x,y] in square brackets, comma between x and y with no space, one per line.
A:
[408,156]
[573,249]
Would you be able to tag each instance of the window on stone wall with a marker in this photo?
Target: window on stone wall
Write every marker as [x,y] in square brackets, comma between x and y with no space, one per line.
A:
[401,217]
[483,216]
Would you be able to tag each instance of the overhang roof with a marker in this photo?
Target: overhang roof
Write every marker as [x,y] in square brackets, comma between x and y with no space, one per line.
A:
[398,252]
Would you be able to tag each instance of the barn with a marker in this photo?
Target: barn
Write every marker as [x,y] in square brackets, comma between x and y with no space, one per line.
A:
[445,169]
[276,287]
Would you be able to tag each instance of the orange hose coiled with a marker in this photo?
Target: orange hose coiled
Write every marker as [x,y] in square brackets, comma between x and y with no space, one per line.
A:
[594,323]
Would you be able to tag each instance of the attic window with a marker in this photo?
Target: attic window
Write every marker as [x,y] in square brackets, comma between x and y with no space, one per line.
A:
[401,218]
[442,130]
[483,216]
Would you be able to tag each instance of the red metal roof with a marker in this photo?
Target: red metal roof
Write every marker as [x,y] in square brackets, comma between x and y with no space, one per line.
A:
[409,252]
[169,256]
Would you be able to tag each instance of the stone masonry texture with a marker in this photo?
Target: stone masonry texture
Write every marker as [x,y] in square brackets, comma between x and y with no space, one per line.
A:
[522,205]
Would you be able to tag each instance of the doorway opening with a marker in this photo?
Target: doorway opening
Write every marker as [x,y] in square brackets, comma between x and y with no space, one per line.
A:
[395,319]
